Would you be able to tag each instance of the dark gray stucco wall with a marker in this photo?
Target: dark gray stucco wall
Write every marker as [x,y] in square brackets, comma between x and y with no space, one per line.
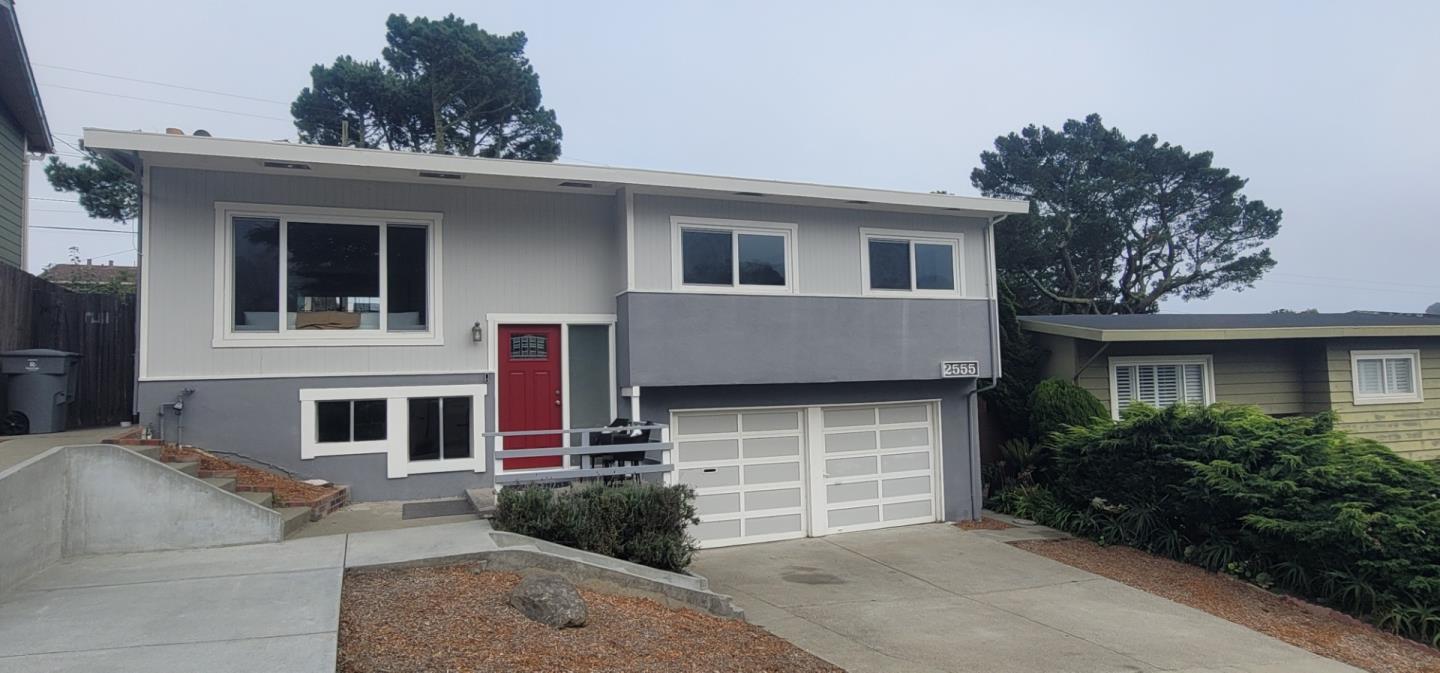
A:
[682,339]
[260,419]
[959,452]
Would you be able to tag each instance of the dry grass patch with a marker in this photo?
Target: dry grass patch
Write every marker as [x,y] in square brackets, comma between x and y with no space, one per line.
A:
[1320,630]
[455,619]
[983,524]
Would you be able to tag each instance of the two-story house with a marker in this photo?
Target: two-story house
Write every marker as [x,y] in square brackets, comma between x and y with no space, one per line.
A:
[23,131]
[373,317]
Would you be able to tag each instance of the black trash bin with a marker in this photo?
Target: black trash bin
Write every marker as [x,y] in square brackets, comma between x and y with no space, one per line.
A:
[39,388]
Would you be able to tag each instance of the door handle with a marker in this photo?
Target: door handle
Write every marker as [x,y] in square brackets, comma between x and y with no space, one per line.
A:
[557,403]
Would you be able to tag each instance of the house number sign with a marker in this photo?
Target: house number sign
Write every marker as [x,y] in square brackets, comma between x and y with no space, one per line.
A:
[962,369]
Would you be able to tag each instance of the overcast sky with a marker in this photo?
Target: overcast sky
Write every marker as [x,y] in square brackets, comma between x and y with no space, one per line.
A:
[1328,108]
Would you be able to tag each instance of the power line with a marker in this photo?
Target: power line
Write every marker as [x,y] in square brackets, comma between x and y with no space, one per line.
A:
[1358,280]
[164,84]
[46,198]
[103,231]
[166,102]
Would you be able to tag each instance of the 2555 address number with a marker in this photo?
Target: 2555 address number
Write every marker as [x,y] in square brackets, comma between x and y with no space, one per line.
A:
[949,370]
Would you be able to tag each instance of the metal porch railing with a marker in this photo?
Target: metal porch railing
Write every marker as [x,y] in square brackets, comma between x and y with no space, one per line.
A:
[586,453]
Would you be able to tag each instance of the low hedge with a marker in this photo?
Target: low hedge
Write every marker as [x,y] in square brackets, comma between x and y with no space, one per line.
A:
[636,522]
[1057,404]
[1286,503]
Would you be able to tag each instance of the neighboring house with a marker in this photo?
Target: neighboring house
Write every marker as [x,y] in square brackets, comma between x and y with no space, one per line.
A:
[23,130]
[365,316]
[87,276]
[1380,372]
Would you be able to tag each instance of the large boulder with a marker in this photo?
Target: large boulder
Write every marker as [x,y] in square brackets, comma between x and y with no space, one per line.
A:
[549,599]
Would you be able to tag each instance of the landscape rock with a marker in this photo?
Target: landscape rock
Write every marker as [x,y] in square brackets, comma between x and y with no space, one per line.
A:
[549,599]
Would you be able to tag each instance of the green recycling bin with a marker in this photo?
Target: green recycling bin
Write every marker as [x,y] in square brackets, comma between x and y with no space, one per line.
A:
[39,388]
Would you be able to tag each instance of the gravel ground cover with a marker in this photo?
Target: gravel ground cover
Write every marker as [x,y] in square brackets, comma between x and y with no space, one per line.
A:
[455,619]
[982,524]
[1311,627]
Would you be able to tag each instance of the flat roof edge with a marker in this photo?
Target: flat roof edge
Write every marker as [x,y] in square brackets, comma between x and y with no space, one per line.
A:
[1229,334]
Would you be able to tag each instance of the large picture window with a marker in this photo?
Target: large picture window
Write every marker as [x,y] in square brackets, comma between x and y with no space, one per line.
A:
[910,263]
[1386,377]
[307,275]
[1160,382]
[729,255]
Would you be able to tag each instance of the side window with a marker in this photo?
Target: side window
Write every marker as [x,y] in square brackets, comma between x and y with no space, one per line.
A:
[910,263]
[1386,377]
[747,257]
[1159,383]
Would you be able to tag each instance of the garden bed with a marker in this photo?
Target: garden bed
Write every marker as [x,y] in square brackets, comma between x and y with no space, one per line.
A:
[288,492]
[456,618]
[1304,625]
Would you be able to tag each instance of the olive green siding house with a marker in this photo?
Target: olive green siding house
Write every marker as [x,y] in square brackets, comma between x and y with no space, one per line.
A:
[23,131]
[1379,372]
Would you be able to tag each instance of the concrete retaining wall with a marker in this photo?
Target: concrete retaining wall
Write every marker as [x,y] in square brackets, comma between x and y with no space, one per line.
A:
[32,507]
[93,499]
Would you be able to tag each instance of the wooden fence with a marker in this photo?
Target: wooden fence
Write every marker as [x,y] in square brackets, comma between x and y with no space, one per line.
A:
[35,313]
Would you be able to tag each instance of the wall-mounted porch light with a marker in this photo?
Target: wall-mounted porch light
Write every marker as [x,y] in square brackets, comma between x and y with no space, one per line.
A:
[477,333]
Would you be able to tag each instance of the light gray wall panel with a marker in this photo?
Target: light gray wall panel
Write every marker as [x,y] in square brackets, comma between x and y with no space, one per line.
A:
[956,418]
[260,419]
[709,339]
[503,252]
[828,247]
[12,190]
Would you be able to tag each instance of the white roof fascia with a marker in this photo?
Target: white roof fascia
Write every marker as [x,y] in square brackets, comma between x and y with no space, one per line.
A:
[543,173]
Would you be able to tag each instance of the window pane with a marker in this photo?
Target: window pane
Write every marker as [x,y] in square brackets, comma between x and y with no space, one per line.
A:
[333,279]
[406,261]
[332,421]
[762,259]
[589,374]
[1369,382]
[1167,385]
[369,420]
[1195,384]
[1146,389]
[934,266]
[1399,378]
[457,427]
[425,428]
[1124,386]
[257,275]
[706,257]
[889,265]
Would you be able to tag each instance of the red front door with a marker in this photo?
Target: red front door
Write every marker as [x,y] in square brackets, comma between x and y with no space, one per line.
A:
[530,390]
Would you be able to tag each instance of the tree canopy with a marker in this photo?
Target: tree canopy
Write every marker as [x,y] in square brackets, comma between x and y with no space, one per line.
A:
[442,86]
[1116,225]
[107,190]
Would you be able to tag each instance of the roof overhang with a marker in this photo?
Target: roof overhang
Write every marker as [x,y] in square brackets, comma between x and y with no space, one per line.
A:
[19,94]
[227,154]
[1228,334]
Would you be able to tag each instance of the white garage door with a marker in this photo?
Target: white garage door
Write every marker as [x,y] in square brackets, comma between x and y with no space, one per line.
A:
[774,474]
[746,468]
[878,467]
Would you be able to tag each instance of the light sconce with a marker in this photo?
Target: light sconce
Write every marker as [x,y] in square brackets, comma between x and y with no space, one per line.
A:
[477,333]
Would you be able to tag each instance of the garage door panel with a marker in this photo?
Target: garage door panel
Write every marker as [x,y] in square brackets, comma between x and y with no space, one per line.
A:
[850,467]
[771,421]
[717,503]
[772,447]
[711,477]
[716,530]
[905,438]
[895,488]
[775,499]
[910,510]
[707,424]
[842,442]
[843,417]
[772,473]
[905,462]
[709,450]
[854,516]
[842,493]
[774,525]
[910,413]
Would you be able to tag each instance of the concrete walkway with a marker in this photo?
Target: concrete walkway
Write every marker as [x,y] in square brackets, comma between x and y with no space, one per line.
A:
[16,450]
[934,598]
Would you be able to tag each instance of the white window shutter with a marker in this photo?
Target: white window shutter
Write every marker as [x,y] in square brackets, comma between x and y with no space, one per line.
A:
[1145,384]
[1370,379]
[1167,385]
[1195,384]
[1124,386]
[1399,378]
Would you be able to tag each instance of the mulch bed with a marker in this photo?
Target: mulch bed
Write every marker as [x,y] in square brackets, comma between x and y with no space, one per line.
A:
[982,524]
[456,619]
[1320,630]
[249,478]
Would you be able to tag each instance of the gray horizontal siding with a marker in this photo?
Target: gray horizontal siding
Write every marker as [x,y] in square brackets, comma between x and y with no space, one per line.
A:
[712,339]
[1266,374]
[828,249]
[12,192]
[503,252]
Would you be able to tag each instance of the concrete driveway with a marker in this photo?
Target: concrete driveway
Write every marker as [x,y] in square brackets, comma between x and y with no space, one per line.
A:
[935,598]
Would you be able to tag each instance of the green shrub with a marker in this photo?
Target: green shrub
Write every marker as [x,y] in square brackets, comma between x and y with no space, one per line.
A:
[636,522]
[1289,503]
[1056,404]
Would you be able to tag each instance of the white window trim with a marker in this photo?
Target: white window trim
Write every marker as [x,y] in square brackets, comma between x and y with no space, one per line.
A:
[397,422]
[787,230]
[1359,399]
[225,337]
[1207,365]
[955,239]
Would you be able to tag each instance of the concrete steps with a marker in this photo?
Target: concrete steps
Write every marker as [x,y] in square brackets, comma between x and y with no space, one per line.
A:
[294,518]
